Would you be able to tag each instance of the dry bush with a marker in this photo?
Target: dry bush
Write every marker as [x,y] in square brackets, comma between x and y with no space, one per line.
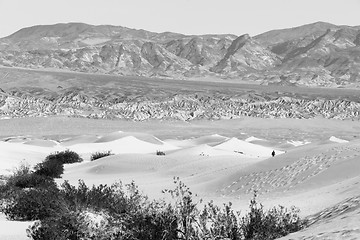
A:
[98,155]
[120,211]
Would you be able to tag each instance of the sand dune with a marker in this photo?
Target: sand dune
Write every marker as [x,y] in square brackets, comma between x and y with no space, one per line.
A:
[118,164]
[246,148]
[338,140]
[203,150]
[123,145]
[16,139]
[252,139]
[42,143]
[195,169]
[312,176]
[79,139]
[13,154]
[297,143]
[300,171]
[210,140]
[119,134]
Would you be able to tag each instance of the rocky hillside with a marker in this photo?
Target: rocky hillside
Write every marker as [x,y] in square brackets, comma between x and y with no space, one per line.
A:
[29,93]
[318,54]
[187,106]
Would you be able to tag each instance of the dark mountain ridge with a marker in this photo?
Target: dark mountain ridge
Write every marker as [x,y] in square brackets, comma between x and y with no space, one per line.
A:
[318,54]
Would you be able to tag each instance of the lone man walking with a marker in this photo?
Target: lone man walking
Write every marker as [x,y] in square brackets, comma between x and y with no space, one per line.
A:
[273,153]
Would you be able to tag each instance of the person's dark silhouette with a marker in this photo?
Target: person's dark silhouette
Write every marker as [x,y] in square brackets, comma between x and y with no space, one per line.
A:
[273,153]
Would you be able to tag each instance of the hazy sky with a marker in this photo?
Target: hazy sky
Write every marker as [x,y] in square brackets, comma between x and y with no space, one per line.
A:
[182,16]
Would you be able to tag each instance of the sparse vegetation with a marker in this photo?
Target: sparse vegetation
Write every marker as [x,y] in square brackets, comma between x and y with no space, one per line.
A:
[31,180]
[50,168]
[64,157]
[160,153]
[23,177]
[32,204]
[53,167]
[98,155]
[122,212]
[271,224]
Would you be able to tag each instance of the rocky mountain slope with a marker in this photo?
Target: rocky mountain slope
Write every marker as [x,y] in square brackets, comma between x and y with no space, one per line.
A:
[319,54]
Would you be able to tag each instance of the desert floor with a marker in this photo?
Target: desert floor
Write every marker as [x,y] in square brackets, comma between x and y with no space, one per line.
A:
[316,167]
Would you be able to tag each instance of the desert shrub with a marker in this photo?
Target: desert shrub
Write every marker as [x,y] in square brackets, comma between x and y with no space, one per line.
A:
[31,180]
[155,221]
[61,227]
[271,224]
[97,225]
[219,223]
[22,169]
[53,167]
[185,209]
[107,212]
[32,204]
[50,168]
[75,225]
[64,157]
[85,224]
[102,197]
[27,195]
[123,212]
[98,155]
[214,222]
[23,178]
[8,183]
[160,153]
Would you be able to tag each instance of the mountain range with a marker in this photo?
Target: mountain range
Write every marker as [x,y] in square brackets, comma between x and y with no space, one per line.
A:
[319,54]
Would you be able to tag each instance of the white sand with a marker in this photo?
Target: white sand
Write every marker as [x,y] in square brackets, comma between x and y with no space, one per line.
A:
[337,140]
[311,176]
[13,230]
[252,138]
[13,154]
[209,140]
[128,144]
[243,147]
[120,134]
[297,143]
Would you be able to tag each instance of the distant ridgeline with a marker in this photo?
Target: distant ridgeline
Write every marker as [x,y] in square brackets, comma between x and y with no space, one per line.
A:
[318,54]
